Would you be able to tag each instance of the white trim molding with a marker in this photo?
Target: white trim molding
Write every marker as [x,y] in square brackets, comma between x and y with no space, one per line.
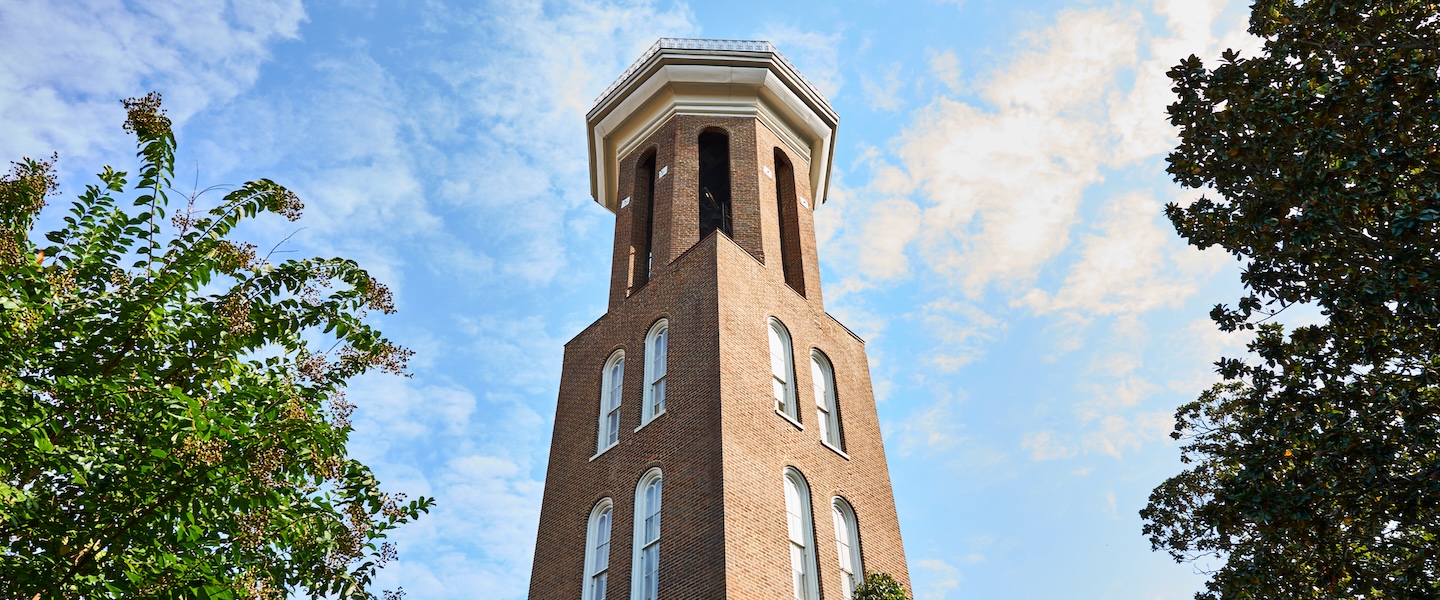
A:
[598,535]
[681,77]
[645,574]
[612,387]
[657,356]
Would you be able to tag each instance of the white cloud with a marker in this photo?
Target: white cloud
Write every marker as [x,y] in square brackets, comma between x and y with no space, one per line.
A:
[936,580]
[929,429]
[424,439]
[499,336]
[480,536]
[513,177]
[1205,344]
[1118,434]
[72,63]
[882,237]
[1044,445]
[815,54]
[962,328]
[945,67]
[1002,185]
[1131,265]
[882,90]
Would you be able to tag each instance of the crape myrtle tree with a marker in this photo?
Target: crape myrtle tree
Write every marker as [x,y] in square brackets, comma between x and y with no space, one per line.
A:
[1314,465]
[172,422]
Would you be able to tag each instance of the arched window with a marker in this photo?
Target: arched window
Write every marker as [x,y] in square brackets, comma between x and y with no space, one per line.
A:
[611,383]
[657,350]
[789,221]
[597,550]
[645,570]
[801,534]
[714,179]
[782,370]
[642,231]
[847,547]
[827,413]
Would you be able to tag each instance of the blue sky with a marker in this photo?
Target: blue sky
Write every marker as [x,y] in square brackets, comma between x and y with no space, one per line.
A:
[994,231]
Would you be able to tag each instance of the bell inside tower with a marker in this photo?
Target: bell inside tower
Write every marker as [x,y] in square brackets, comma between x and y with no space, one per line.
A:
[714,183]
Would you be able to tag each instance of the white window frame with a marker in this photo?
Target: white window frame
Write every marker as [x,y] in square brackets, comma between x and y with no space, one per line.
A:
[592,541]
[852,574]
[827,409]
[657,357]
[642,511]
[806,534]
[777,335]
[611,397]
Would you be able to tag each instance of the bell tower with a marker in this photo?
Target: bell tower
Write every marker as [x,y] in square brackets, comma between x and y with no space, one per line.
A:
[715,434]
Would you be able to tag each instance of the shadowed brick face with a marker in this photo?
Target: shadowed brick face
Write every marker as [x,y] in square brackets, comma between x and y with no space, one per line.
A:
[721,445]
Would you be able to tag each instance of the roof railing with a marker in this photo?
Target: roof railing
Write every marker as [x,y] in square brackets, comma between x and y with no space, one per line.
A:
[712,45]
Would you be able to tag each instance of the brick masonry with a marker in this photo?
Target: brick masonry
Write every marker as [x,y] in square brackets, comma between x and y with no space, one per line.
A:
[720,444]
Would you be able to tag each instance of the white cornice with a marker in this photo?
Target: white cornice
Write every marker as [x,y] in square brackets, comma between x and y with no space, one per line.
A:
[685,81]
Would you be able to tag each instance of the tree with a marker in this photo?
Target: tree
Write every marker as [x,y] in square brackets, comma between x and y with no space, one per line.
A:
[1314,465]
[172,416]
[880,586]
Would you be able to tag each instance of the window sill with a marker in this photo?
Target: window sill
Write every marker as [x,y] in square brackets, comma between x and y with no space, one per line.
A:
[835,450]
[790,419]
[652,420]
[607,449]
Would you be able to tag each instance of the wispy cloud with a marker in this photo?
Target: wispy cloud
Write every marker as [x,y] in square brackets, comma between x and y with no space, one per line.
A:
[72,63]
[938,579]
[816,54]
[883,90]
[945,67]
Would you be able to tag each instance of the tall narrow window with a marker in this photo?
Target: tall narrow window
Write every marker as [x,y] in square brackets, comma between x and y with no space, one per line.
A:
[782,370]
[789,221]
[597,550]
[827,415]
[612,381]
[801,534]
[642,232]
[645,573]
[847,547]
[657,349]
[714,182]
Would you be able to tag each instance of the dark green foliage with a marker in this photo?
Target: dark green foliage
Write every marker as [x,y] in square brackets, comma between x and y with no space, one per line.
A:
[167,429]
[880,586]
[1315,464]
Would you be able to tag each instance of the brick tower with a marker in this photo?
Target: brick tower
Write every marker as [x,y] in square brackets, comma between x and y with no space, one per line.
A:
[716,391]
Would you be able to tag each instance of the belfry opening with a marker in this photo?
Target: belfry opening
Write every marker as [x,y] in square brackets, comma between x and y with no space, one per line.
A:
[714,178]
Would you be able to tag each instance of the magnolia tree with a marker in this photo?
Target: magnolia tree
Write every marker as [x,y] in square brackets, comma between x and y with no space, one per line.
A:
[172,416]
[1314,466]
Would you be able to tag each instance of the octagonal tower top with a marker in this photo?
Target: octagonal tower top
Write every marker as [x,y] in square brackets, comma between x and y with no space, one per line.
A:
[731,78]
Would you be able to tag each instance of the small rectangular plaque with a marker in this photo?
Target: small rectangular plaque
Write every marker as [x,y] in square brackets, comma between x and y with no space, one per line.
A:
[663,170]
[626,202]
[804,202]
[768,173]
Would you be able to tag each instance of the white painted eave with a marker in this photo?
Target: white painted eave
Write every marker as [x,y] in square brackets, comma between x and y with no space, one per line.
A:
[671,82]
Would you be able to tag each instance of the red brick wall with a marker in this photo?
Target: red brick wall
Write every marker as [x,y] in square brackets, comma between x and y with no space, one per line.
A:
[759,443]
[684,442]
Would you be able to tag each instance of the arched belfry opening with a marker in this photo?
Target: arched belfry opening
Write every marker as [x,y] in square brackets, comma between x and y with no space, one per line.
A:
[643,218]
[714,182]
[789,216]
